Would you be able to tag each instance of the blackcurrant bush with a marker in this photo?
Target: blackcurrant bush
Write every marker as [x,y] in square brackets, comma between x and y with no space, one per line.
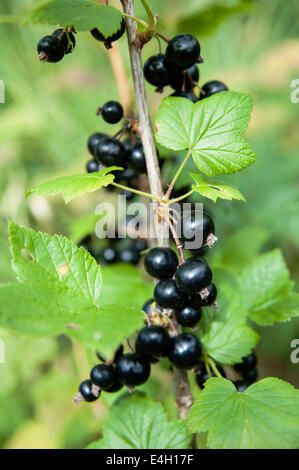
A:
[129,255]
[85,388]
[211,88]
[50,49]
[157,71]
[193,275]
[196,226]
[109,255]
[161,263]
[93,142]
[136,158]
[188,316]
[150,307]
[92,166]
[132,369]
[112,112]
[67,39]
[152,341]
[185,94]
[103,376]
[249,362]
[198,301]
[107,41]
[110,151]
[184,79]
[168,295]
[185,350]
[241,385]
[183,51]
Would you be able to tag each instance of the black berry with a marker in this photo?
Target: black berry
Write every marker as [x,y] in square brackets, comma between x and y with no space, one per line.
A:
[92,166]
[103,376]
[107,41]
[185,94]
[110,151]
[183,51]
[211,88]
[188,316]
[249,362]
[151,307]
[109,255]
[208,300]
[161,263]
[168,295]
[129,255]
[50,49]
[203,376]
[196,228]
[68,40]
[93,142]
[140,245]
[112,112]
[152,341]
[85,388]
[184,79]
[193,275]
[132,369]
[250,375]
[136,158]
[241,385]
[157,71]
[185,350]
[115,387]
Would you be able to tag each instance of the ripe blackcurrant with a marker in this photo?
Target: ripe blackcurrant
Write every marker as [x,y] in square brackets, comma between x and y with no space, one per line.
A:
[185,94]
[93,142]
[151,307]
[110,151]
[140,245]
[50,49]
[184,79]
[193,275]
[85,388]
[241,385]
[103,376]
[196,228]
[157,71]
[183,51]
[198,301]
[250,375]
[112,112]
[107,41]
[67,39]
[115,387]
[136,158]
[129,255]
[152,341]
[92,166]
[109,255]
[161,263]
[132,369]
[188,316]
[249,362]
[185,350]
[211,88]
[203,376]
[168,295]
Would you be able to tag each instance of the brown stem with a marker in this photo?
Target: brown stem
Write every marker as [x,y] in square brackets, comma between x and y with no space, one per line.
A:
[183,394]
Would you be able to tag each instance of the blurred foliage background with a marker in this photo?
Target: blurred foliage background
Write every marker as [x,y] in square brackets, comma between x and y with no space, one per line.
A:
[253,46]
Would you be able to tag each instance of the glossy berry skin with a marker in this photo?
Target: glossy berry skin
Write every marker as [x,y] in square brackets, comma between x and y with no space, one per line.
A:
[115,387]
[241,385]
[183,51]
[112,112]
[213,87]
[150,309]
[152,341]
[132,369]
[103,376]
[198,301]
[188,316]
[93,142]
[108,41]
[68,40]
[185,351]
[185,94]
[168,295]
[193,275]
[184,79]
[161,263]
[92,166]
[85,389]
[109,255]
[196,227]
[249,362]
[136,158]
[157,71]
[50,49]
[129,255]
[110,151]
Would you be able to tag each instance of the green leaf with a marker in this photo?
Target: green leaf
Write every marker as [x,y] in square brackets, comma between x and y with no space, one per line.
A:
[215,191]
[84,15]
[75,185]
[59,293]
[224,332]
[265,416]
[266,290]
[211,129]
[137,422]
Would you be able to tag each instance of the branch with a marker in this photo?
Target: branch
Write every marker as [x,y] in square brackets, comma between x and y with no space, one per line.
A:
[183,394]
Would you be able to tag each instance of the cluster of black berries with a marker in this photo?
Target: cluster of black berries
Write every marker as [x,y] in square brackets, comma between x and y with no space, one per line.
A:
[109,40]
[178,68]
[53,48]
